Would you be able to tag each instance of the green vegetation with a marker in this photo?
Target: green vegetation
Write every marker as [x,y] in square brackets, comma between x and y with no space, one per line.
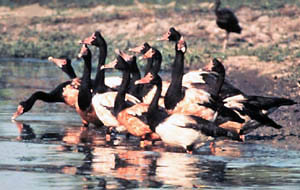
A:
[64,3]
[234,4]
[55,43]
[265,53]
[63,43]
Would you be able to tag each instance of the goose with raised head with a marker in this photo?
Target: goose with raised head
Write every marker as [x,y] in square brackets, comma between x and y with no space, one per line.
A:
[253,109]
[107,105]
[133,118]
[154,60]
[192,101]
[102,83]
[65,65]
[104,88]
[70,92]
[178,129]
[133,89]
[227,21]
[84,106]
[142,50]
[231,97]
[244,108]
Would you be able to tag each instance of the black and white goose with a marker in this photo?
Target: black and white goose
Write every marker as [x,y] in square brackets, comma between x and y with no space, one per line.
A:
[179,129]
[227,21]
[194,101]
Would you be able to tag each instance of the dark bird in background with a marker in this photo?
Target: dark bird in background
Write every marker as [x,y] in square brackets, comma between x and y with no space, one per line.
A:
[226,20]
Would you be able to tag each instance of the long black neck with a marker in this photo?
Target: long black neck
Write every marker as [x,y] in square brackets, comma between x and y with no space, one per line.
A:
[153,108]
[135,72]
[157,59]
[134,89]
[220,83]
[174,93]
[86,77]
[217,6]
[147,87]
[68,69]
[53,96]
[120,103]
[39,95]
[148,65]
[154,115]
[100,76]
[155,68]
[85,94]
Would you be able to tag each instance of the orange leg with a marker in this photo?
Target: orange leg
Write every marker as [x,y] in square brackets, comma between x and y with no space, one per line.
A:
[107,135]
[225,41]
[142,143]
[242,137]
[212,148]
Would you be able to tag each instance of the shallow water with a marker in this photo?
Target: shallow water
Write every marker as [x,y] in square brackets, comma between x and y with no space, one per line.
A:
[46,148]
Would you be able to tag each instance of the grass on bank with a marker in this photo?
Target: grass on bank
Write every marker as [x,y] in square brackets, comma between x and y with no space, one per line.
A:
[55,43]
[234,4]
[65,44]
[34,44]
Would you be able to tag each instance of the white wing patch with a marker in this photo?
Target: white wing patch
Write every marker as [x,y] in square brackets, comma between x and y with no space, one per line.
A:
[173,133]
[149,96]
[102,102]
[236,98]
[138,109]
[235,102]
[108,99]
[193,77]
[104,99]
[197,96]
[179,120]
[165,86]
[113,82]
[132,99]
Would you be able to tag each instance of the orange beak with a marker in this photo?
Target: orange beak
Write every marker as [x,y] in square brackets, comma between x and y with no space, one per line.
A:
[88,40]
[19,112]
[125,56]
[144,80]
[110,65]
[208,67]
[58,62]
[149,54]
[83,51]
[165,37]
[137,49]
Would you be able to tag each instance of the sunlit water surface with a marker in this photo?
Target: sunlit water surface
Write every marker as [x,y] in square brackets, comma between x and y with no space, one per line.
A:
[47,148]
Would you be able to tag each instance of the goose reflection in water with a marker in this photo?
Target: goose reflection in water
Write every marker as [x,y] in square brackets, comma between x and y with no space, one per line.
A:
[123,166]
[126,168]
[25,131]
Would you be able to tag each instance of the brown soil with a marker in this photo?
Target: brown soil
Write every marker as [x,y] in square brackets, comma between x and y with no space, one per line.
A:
[248,73]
